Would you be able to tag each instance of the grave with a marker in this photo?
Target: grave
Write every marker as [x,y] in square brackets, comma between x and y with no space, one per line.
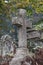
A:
[21,51]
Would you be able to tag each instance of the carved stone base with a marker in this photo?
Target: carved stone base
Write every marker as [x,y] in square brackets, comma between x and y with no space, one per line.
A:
[20,55]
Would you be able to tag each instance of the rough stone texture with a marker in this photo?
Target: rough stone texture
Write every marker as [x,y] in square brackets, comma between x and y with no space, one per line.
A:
[20,55]
[22,12]
[28,23]
[22,51]
[22,42]
[22,36]
[17,21]
[7,44]
[33,34]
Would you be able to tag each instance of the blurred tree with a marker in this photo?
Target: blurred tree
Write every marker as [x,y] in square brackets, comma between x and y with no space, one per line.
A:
[9,6]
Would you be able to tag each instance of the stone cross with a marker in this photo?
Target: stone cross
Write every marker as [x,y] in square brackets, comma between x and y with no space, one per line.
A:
[20,22]
[21,51]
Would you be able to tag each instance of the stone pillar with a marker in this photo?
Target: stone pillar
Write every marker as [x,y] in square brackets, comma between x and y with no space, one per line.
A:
[22,51]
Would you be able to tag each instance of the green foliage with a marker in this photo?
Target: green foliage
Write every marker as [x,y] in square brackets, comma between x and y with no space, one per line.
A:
[39,25]
[11,6]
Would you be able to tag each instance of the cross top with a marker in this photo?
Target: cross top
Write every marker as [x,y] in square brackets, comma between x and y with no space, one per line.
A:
[22,12]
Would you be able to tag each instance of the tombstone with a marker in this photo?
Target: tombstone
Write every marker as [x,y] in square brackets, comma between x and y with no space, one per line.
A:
[22,50]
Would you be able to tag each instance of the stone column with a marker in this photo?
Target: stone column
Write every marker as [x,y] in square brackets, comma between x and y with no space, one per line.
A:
[22,51]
